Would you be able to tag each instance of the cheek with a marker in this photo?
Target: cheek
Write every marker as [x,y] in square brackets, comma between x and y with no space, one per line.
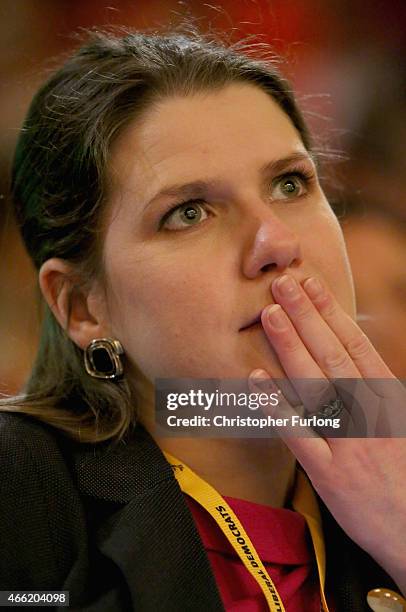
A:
[325,249]
[165,314]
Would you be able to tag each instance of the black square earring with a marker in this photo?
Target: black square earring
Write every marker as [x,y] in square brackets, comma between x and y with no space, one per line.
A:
[103,358]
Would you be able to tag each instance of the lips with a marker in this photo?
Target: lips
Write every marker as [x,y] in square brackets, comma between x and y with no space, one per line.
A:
[255,321]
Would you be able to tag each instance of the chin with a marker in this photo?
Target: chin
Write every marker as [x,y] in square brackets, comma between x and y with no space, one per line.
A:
[261,355]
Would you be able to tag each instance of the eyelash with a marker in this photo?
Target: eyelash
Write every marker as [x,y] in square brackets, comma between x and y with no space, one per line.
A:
[305,175]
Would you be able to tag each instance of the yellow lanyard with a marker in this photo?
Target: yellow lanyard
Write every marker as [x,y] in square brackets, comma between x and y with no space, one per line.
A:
[304,502]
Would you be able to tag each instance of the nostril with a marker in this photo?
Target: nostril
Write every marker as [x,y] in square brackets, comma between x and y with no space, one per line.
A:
[296,262]
[267,267]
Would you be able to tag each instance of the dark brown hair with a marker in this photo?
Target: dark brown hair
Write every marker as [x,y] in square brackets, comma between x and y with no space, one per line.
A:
[59,187]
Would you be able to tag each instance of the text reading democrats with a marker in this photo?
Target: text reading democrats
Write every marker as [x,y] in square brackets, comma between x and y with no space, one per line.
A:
[205,400]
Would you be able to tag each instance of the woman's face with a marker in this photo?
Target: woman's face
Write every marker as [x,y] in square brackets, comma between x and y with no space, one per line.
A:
[213,196]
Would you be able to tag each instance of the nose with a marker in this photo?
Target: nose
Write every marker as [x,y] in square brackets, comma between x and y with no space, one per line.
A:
[273,245]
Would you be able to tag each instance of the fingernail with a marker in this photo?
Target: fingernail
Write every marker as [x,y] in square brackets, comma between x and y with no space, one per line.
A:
[313,287]
[277,317]
[287,286]
[260,381]
[259,374]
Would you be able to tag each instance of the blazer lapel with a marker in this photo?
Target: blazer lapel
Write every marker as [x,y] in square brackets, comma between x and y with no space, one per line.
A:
[149,533]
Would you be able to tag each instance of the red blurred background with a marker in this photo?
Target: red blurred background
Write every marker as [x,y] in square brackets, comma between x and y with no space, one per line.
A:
[346,60]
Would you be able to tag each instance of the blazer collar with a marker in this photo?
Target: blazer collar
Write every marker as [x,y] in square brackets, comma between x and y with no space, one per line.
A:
[119,472]
[150,534]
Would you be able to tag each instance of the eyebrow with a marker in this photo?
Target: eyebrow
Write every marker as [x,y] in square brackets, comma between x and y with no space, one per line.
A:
[200,188]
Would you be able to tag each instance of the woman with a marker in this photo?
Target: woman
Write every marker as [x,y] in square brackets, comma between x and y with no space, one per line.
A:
[167,192]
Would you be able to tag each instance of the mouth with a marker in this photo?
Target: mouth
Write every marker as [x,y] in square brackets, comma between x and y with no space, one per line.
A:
[254,323]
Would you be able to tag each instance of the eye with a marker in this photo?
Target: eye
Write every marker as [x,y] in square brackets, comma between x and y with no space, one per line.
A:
[184,215]
[290,186]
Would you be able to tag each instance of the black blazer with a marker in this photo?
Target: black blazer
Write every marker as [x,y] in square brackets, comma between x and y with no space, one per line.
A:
[110,525]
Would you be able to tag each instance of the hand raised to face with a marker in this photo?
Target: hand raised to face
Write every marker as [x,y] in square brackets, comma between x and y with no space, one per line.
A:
[316,340]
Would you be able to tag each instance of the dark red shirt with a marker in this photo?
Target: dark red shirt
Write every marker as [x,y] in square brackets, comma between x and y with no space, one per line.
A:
[282,541]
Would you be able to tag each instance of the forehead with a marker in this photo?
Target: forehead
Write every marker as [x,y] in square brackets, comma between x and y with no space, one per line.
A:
[231,131]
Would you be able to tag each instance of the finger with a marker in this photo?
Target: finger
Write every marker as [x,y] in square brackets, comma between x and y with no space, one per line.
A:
[293,355]
[310,449]
[309,381]
[296,360]
[320,340]
[283,384]
[364,355]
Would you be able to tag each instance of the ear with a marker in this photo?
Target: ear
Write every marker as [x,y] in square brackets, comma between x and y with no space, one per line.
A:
[82,314]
